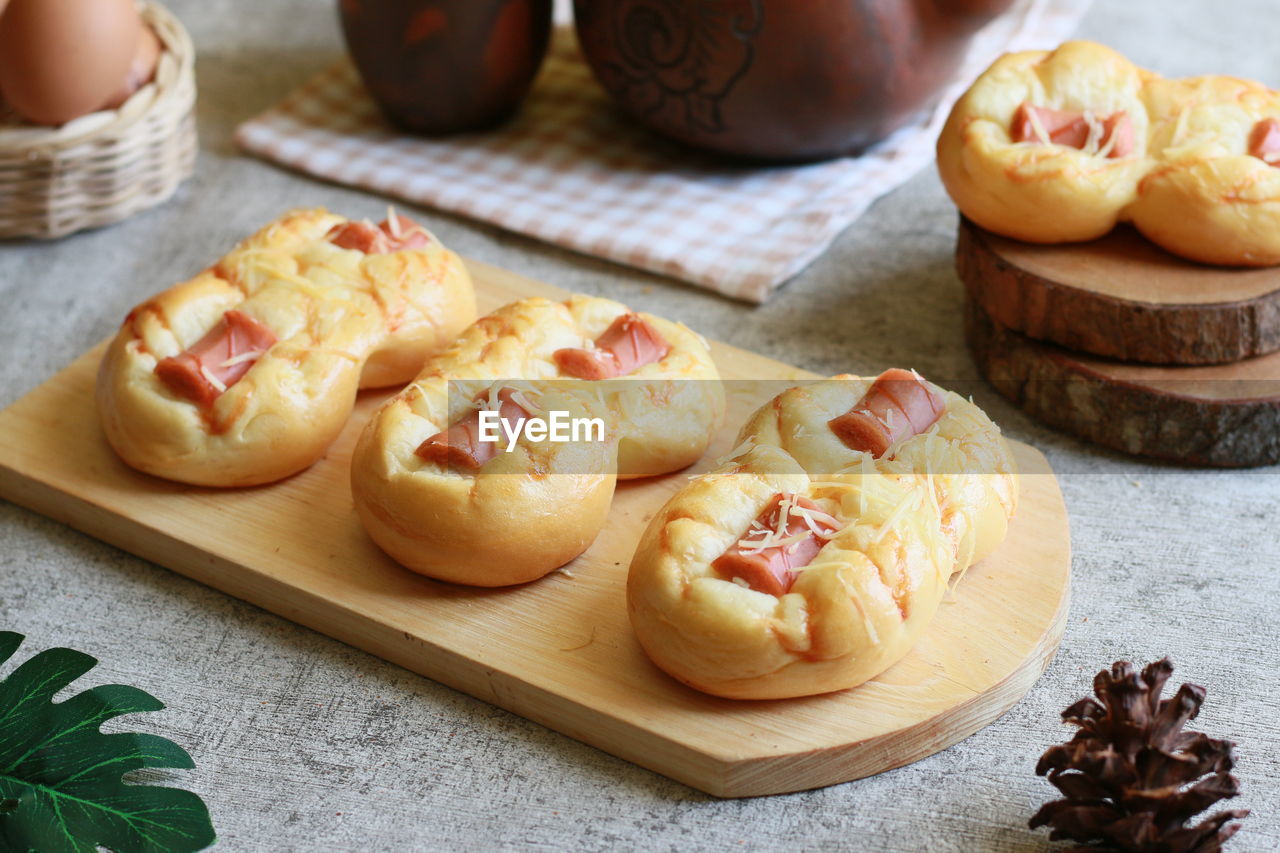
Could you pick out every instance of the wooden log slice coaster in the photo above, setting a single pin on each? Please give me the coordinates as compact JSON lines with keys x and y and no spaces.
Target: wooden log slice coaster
{"x":1217,"y":415}
{"x":1122,"y":297}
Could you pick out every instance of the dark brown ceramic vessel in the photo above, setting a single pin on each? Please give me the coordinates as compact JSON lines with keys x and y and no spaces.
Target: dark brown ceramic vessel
{"x":441,"y":66}
{"x":777,"y":79}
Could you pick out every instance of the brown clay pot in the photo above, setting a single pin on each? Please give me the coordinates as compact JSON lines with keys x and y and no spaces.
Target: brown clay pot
{"x":440,"y":66}
{"x":777,"y":79}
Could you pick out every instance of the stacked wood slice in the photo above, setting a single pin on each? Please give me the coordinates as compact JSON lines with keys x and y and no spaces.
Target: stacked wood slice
{"x":1125,"y":345}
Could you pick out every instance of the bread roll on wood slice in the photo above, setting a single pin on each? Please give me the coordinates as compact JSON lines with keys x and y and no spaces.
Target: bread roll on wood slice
{"x":1213,"y":194}
{"x":1048,"y":147}
{"x":1057,"y":147}
{"x":816,"y":555}
{"x":447,"y":504}
{"x":246,"y":373}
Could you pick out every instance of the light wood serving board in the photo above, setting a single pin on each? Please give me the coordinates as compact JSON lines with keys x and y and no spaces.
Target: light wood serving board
{"x":558,"y":651}
{"x":1224,"y":415}
{"x":1122,"y":297}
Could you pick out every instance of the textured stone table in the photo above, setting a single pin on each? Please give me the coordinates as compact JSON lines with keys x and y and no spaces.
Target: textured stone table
{"x":304,"y":743}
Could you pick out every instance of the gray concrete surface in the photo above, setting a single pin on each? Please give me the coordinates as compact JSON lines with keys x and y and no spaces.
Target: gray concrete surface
{"x":302,"y":743}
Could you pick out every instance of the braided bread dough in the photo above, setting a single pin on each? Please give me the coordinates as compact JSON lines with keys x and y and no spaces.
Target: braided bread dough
{"x":1207,"y":197}
{"x":527,"y":512}
{"x":1193,"y":174}
{"x":341,"y":320}
{"x":905,"y":523}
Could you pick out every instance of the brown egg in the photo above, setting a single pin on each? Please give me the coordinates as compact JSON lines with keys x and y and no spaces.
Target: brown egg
{"x":141,"y":70}
{"x":60,"y":59}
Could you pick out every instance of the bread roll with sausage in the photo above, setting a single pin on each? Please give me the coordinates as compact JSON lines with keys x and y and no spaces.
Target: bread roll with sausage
{"x":1056,"y":147}
{"x":447,"y":505}
{"x":1048,"y":147}
{"x":815,"y":557}
{"x":246,"y":373}
{"x":1213,"y":193}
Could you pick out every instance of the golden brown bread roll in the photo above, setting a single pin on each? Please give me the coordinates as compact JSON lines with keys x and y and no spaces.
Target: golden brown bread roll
{"x":1210,"y":195}
{"x":714,"y":595}
{"x":1053,"y":147}
{"x":1037,"y":192}
{"x":498,"y":518}
{"x":247,"y":372}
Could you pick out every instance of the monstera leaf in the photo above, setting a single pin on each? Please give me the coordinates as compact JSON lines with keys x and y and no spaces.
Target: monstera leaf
{"x":60,"y":785}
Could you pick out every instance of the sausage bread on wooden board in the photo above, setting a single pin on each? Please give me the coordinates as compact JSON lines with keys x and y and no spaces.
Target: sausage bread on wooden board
{"x":1054,"y":147}
{"x":244,"y":374}
{"x":817,"y":554}
{"x":444,"y":505}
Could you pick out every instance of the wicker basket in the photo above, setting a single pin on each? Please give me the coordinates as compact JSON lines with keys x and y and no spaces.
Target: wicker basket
{"x":106,"y":166}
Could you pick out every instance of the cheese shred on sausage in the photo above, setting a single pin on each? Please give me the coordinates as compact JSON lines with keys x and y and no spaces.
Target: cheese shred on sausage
{"x":760,"y":538}
{"x":521,"y":399}
{"x":213,"y":380}
{"x":252,"y":355}
{"x":1037,"y":128}
{"x":909,"y":503}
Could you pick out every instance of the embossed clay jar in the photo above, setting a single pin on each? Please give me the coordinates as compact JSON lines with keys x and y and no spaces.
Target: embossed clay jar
{"x":777,"y":79}
{"x":439,"y":66}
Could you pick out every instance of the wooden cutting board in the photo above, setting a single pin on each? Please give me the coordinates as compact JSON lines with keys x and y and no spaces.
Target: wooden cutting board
{"x":1121,"y":297}
{"x":1224,"y":415}
{"x":558,"y":651}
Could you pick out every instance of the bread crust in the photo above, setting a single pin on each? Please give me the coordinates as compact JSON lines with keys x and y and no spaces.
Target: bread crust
{"x":530,"y":511}
{"x":1205,"y":197}
{"x":1043,"y":193}
{"x":343,"y":320}
{"x":934,"y":505}
{"x":1189,"y":184}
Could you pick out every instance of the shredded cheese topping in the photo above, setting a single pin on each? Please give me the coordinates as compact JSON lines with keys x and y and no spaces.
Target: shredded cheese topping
{"x":1110,"y":144}
{"x":1094,"y":143}
{"x":1037,"y":128}
{"x":872,"y":634}
{"x":741,"y":450}
{"x":1094,"y":140}
{"x":1180,"y":128}
{"x":306,"y":285}
{"x":868,"y":469}
{"x":760,"y":538}
{"x":522,"y":400}
{"x":397,"y":232}
{"x":340,"y":353}
{"x":887,"y":420}
{"x":252,"y":355}
{"x":213,"y":380}
{"x":492,"y":401}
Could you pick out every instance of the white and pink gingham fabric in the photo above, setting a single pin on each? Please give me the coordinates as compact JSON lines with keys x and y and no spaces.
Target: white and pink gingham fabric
{"x":571,"y":170}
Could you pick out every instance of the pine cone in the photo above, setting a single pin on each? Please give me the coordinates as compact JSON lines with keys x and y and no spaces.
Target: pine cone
{"x":1132,"y":777}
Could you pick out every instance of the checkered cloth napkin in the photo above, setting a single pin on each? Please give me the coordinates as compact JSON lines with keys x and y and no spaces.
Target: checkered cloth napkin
{"x":571,"y":170}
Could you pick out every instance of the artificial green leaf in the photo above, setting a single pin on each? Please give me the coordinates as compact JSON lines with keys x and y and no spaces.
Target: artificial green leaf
{"x":60,"y":785}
